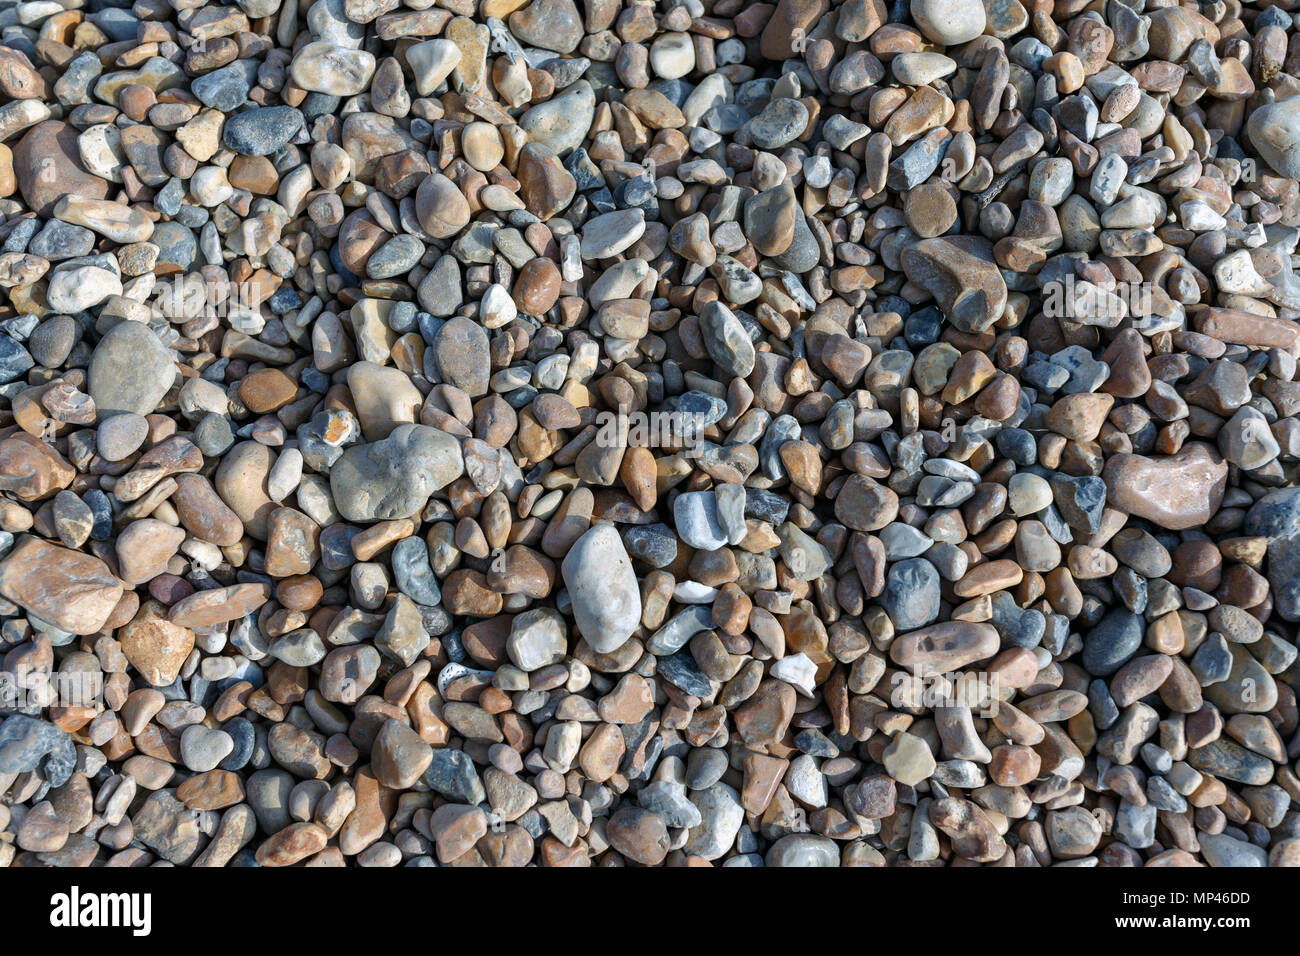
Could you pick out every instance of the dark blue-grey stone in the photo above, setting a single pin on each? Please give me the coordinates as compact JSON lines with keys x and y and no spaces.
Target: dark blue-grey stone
{"x":782,"y":429}
{"x":320,"y":104}
{"x":1101,"y":705}
{"x":247,"y":638}
{"x":565,"y":70}
{"x":213,"y":434}
{"x":284,"y":300}
{"x":1081,"y":501}
{"x":803,"y":251}
{"x":1018,"y":445}
{"x":922,"y":328}
{"x":336,"y":549}
{"x":225,"y":89}
{"x":435,"y":620}
{"x":1212,"y":661}
{"x":1131,"y":588}
{"x":816,"y":744}
{"x":1060,"y":532}
{"x":315,"y":380}
{"x":171,"y":198}
{"x":24,"y":741}
{"x":1045,"y":376}
{"x":519,"y":398}
{"x":401,"y":317}
{"x":176,"y":244}
{"x":707,"y":409}
{"x":1276,"y":516}
{"x":1229,"y":760}
{"x":1273,"y":17}
{"x":779,"y":123}
{"x":117,"y":23}
{"x":684,"y":625}
{"x":192,"y":217}
{"x":1162,"y":796}
{"x":534,"y":823}
{"x":101,"y":509}
{"x":58,"y":638}
{"x":268,"y":794}
{"x":1018,"y":627}
{"x":1055,"y":633}
{"x":766,"y":505}
{"x":894,"y":303}
{"x":261,"y":131}
{"x":637,"y":192}
{"x":242,"y":733}
{"x":911,"y":596}
{"x":20,"y":236}
{"x":454,"y":646}
{"x":675,"y":90}
{"x":1086,"y":374}
{"x":202,"y":691}
{"x":601,"y":200}
{"x":62,"y":240}
{"x":61,"y":762}
{"x":15,"y":360}
{"x":655,"y":544}
{"x":395,"y":257}
{"x":452,"y":774}
{"x":909,"y":454}
{"x":175,"y":690}
{"x":584,"y":172}
{"x":684,"y":673}
{"x":1111,"y":642}
{"x":917,"y":164}
{"x":705,"y":767}
{"x":412,"y":572}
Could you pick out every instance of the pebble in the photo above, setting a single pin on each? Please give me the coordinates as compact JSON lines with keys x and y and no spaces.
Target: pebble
{"x":602,"y":588}
{"x":394,"y":477}
{"x":261,"y":131}
{"x":1175,"y":492}
{"x":325,"y":67}
{"x":949,"y":23}
{"x":695,"y":515}
{"x":130,"y":370}
{"x":721,"y":816}
{"x":1272,"y":131}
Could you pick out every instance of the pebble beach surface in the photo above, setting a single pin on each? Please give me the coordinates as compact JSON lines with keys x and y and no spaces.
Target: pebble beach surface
{"x":336,"y":338}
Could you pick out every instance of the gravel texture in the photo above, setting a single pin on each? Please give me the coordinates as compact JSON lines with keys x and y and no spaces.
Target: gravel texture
{"x":606,"y":432}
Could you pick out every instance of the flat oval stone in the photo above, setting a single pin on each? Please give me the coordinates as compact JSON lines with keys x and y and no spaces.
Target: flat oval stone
{"x":603,"y":589}
{"x":1111,"y":642}
{"x":947,"y":646}
{"x":442,"y":208}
